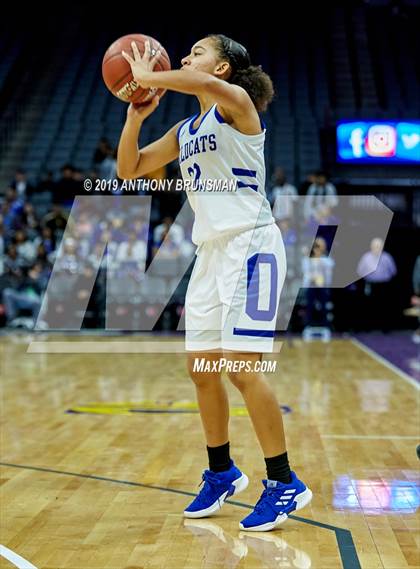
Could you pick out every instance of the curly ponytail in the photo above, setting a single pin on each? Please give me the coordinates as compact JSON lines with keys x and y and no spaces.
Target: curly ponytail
{"x":252,"y":78}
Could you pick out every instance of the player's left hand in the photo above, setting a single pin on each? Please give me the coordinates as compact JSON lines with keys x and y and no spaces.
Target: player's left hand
{"x":141,"y":66}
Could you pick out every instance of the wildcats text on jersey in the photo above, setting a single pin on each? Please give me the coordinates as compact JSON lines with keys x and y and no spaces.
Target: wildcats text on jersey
{"x":204,"y":143}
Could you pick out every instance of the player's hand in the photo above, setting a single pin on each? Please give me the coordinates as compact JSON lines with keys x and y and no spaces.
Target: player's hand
{"x":140,"y":112}
{"x":141,"y":66}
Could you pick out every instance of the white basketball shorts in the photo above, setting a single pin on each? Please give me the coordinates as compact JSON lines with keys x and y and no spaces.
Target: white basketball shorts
{"x":233,"y":294}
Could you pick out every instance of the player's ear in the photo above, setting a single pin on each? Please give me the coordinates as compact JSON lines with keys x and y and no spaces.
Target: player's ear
{"x":222,"y":69}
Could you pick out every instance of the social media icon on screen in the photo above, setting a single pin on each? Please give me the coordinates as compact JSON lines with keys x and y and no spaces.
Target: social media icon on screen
{"x":381,"y":140}
{"x":410,"y":141}
{"x":356,"y":142}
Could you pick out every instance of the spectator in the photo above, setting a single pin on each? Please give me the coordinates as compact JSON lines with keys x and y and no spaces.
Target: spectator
{"x":97,"y":258}
{"x":30,"y":220}
{"x":26,"y":249}
{"x":106,"y":238}
{"x":117,"y":227}
{"x":141,"y":229}
{"x":168,"y":224}
{"x":12,"y":264}
{"x":282,"y":196}
{"x":132,"y":250}
{"x":107,"y":169}
{"x":46,"y":240}
{"x":320,"y":194}
{"x":12,"y":210}
{"x":67,"y":187}
{"x":98,"y":229}
{"x":378,"y":269}
{"x":288,"y":233}
{"x":172,"y":248}
{"x":307,"y":182}
{"x":68,"y":259}
{"x":42,"y":254}
{"x":317,"y":277}
{"x":101,"y":152}
{"x":83,"y":230}
{"x":20,"y":183}
{"x":415,"y":301}
{"x":47,"y":183}
{"x":27,"y":295}
{"x":56,"y":221}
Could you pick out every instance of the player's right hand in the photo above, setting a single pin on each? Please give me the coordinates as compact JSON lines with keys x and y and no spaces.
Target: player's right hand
{"x":140,"y":112}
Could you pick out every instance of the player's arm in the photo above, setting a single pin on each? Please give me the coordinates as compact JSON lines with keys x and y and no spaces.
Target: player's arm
{"x":133,"y":162}
{"x":233,"y":101}
{"x":232,"y":98}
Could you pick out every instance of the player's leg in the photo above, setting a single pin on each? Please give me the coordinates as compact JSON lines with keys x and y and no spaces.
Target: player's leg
{"x":249,"y":321}
{"x":211,"y":396}
{"x":262,"y":405}
{"x":202,"y":342}
{"x":203,"y":322}
{"x":284,"y":492}
{"x":223,"y":478}
{"x":254,"y":268}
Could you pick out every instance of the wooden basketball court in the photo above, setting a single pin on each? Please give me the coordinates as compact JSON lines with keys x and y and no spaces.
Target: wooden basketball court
{"x":101,"y":452}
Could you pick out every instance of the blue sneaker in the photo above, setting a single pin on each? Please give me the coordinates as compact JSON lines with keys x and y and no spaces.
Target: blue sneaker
{"x":218,"y":486}
{"x":276,"y":503}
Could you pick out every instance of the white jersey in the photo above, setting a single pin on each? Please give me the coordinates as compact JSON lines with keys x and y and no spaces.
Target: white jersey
{"x":216,"y":151}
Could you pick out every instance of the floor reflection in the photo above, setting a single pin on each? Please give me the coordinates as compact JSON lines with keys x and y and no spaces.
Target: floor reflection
{"x":376,"y":496}
{"x":219,"y":548}
{"x":224,"y":550}
{"x":274,"y":551}
{"x":375,"y":395}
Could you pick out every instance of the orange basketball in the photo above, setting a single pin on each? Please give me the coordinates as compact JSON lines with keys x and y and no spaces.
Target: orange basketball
{"x":116,"y":71}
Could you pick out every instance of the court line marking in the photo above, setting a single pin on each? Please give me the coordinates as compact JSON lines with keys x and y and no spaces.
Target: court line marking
{"x":386,"y":363}
{"x":15,"y":559}
{"x":113,"y":347}
{"x":345,"y":543}
{"x":373,"y":437}
{"x":105,"y":347}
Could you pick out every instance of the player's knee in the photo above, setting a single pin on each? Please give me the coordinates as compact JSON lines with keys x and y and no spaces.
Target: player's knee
{"x":200,"y":373}
{"x":240,"y":379}
{"x":202,"y":380}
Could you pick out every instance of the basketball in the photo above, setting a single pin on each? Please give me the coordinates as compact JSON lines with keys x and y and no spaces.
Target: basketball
{"x":116,"y":71}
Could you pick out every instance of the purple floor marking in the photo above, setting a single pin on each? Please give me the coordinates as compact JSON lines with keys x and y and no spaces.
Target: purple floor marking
{"x":397,"y":347}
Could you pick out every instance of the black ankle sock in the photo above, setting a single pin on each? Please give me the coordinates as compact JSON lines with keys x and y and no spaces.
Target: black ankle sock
{"x":278,"y":468}
{"x":219,"y":458}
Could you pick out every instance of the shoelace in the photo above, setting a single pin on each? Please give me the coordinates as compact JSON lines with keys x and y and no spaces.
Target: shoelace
{"x":267,"y":493}
{"x":212,"y":482}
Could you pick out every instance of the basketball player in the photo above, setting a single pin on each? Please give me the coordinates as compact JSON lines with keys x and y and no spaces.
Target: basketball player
{"x":232,"y":297}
